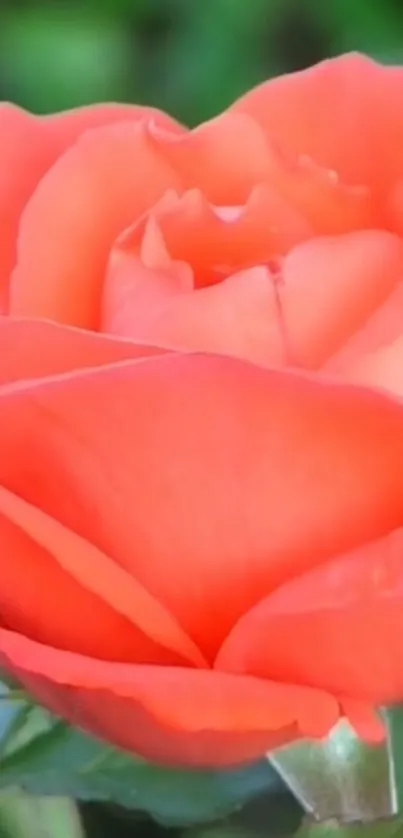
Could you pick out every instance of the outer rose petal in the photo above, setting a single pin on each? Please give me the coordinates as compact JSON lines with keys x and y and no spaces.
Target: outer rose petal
{"x":253,"y":475}
{"x":346,"y":113}
{"x":337,"y":628}
{"x":67,"y":126}
{"x":40,"y":599}
{"x":29,"y":146}
{"x":145,"y":619}
{"x":171,"y":715}
{"x":95,"y":190}
{"x":37,"y":348}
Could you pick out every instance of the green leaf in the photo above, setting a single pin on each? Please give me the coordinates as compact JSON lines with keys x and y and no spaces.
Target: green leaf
{"x":269,"y":816}
{"x":63,"y":761}
{"x":22,"y":816}
{"x":394,"y":721}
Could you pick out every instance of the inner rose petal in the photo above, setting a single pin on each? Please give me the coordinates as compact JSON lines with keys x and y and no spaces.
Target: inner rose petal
{"x":215,"y":240}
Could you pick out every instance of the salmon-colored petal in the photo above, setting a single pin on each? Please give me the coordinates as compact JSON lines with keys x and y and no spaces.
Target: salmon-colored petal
{"x":239,"y":317}
{"x":108,"y":178}
{"x":66,"y":126}
{"x":186,"y":242}
{"x":382,"y":328}
{"x":100,"y":575}
{"x":383,"y":368}
{"x":225,"y":157}
{"x":230,"y":155}
{"x":216,"y":241}
{"x":345,"y":113}
{"x":23,"y":159}
{"x":337,"y":628}
{"x":36,"y":348}
{"x":140,"y":281}
{"x":29,"y":146}
{"x":211,"y":480}
{"x":329,"y":205}
{"x":331,"y":286}
{"x":169,"y":714}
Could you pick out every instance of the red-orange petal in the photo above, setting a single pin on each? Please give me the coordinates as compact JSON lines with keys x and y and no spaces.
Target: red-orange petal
{"x":96,"y":573}
{"x":38,"y":597}
{"x":337,"y":628}
{"x":170,"y":715}
{"x":107,"y":179}
{"x":253,"y":475}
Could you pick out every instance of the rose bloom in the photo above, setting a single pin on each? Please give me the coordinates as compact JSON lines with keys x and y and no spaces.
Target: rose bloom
{"x":201,"y":424}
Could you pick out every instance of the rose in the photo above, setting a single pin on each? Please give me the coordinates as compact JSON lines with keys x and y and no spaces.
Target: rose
{"x":202,"y":506}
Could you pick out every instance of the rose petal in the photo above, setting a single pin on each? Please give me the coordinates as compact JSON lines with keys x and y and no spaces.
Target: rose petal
{"x":345,"y":113}
{"x":40,"y":599}
{"x":331,"y":286}
{"x":381,"y":329}
{"x":225,"y":157}
{"x":97,"y":574}
{"x":253,"y":475}
{"x":66,"y":126}
{"x":37,"y":348}
{"x":230,"y":155}
{"x":383,"y":368}
{"x":338,"y":628}
{"x":238,"y":317}
{"x":97,"y":188}
{"x":171,"y":715}
{"x":29,"y":146}
{"x":201,"y":234}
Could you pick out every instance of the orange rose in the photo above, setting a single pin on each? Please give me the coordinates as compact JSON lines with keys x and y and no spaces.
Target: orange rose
{"x":202,"y":548}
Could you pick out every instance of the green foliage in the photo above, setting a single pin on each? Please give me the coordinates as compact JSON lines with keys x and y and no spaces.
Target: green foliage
{"x":42,"y":756}
{"x":22,"y":816}
{"x":190,"y":57}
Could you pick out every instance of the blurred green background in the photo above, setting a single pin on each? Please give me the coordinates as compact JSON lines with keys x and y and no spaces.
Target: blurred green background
{"x":190,"y":57}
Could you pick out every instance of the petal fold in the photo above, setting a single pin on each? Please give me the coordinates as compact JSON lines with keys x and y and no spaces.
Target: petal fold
{"x":337,"y":628}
